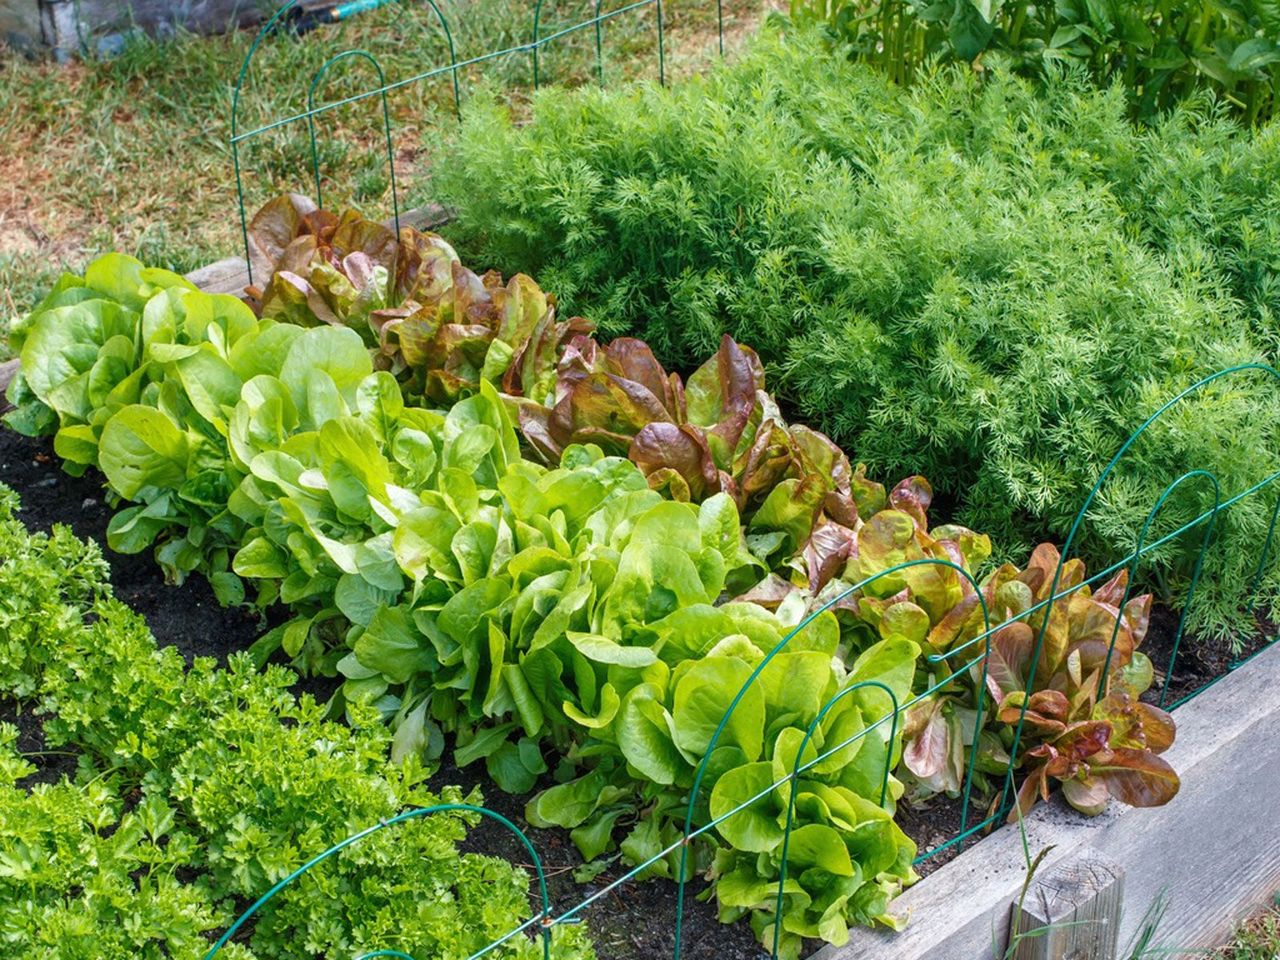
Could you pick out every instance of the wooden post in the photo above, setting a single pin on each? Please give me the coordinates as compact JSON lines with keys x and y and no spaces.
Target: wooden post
{"x":1071,"y":911}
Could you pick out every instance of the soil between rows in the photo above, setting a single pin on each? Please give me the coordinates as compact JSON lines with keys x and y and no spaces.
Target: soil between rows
{"x":1199,"y":661}
{"x":187,"y":617}
{"x":635,"y":921}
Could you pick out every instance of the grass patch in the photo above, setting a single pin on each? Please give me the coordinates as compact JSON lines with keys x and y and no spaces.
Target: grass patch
{"x":132,"y":153}
{"x":1259,"y":939}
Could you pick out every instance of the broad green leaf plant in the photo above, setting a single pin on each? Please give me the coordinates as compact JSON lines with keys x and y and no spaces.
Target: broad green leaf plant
{"x":590,"y":618}
{"x":1159,"y":51}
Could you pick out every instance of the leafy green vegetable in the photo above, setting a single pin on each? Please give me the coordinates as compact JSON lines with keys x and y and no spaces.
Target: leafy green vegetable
{"x":139,"y":373}
{"x":664,"y":729}
{"x":196,"y":789}
{"x":717,"y":432}
{"x":430,"y":321}
{"x":1083,"y":723}
{"x":1161,"y":52}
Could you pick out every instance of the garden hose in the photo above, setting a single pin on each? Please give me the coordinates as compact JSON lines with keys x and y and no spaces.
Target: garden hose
{"x":300,"y":20}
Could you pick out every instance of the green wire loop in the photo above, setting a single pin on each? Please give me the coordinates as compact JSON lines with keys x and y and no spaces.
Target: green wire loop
{"x":453,"y":68}
{"x":383,"y":89}
{"x":386,"y":126}
{"x":1262,"y":560}
{"x":541,"y":919}
{"x":795,"y":786}
{"x":599,"y":44}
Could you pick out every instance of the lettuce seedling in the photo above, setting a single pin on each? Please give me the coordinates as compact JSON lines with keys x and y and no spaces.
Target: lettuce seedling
{"x":1081,"y":718}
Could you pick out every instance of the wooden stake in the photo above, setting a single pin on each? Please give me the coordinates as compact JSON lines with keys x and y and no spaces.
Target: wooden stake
{"x":1071,"y":911}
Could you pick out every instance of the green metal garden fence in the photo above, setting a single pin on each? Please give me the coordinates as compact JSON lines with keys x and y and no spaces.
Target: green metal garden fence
{"x":532,"y":48}
{"x":966,"y":663}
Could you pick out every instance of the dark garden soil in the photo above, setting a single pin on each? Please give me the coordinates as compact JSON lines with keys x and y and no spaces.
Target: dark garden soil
{"x":933,"y":823}
{"x":187,"y":617}
{"x":1200,"y":660}
{"x":51,"y":764}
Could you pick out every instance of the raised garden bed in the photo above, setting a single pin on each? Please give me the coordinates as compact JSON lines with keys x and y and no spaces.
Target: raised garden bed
{"x":635,"y":920}
{"x":1210,"y":853}
{"x":1228,"y":752}
{"x":504,"y":554}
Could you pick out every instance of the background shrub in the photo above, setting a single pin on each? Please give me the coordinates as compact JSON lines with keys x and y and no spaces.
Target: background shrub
{"x":1158,"y":50}
{"x":984,"y":281}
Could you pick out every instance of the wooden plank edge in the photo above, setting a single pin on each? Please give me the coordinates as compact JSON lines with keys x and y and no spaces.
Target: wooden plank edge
{"x":1224,"y":821}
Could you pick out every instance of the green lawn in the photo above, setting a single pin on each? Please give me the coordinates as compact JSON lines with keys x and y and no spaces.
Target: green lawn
{"x":131,"y":153}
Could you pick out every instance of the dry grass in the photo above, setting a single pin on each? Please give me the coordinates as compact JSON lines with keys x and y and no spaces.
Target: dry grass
{"x":132,"y":153}
{"x":1259,"y":939}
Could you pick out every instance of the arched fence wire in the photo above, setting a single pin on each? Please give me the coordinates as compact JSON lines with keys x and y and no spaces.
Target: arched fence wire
{"x":967,"y":661}
{"x":539,"y":40}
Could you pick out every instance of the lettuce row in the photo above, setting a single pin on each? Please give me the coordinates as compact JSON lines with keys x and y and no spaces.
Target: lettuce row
{"x":441,"y":330}
{"x":437,"y":326}
{"x":601,"y":605}
{"x":455,"y":585}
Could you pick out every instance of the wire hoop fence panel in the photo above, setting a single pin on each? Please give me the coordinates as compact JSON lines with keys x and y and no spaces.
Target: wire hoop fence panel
{"x":539,"y":40}
{"x":386,"y":126}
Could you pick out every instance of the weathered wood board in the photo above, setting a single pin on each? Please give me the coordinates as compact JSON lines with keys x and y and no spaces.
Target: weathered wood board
{"x":1213,"y":853}
{"x":8,"y":370}
{"x":229,"y":275}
